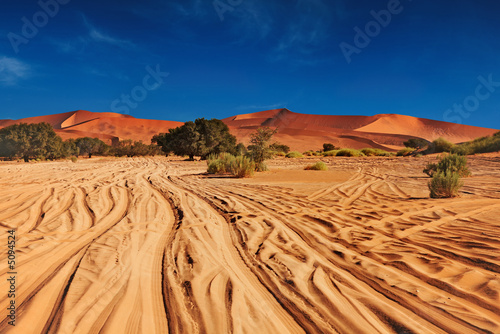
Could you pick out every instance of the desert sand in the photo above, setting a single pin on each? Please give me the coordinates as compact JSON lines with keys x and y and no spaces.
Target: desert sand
{"x":152,"y":245}
{"x":299,"y":131}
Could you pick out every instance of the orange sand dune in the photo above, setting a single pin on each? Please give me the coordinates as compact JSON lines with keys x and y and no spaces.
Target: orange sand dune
{"x":299,"y":131}
{"x":106,"y":126}
{"x":303,"y":131}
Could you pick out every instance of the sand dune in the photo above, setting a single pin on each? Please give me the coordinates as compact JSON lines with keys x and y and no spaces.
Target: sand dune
{"x":154,"y":246}
{"x":299,"y":131}
{"x":386,"y":131}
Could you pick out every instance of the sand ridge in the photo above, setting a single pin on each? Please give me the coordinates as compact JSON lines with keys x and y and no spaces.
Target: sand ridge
{"x":148,"y":245}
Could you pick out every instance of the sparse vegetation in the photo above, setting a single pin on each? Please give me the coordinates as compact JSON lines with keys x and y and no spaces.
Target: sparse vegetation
{"x":331,"y":153}
{"x":479,"y":145}
{"x":294,"y":154}
{"x":320,"y":165}
{"x":375,"y":152}
{"x":224,"y":163}
{"x":405,"y":152}
{"x":439,"y":145}
{"x":446,"y":176}
{"x":260,"y":148}
{"x":416,"y":143}
{"x":445,"y":185}
{"x":277,"y":148}
{"x":242,"y":166}
{"x":450,"y":163}
{"x":74,"y":159}
{"x":349,"y":152}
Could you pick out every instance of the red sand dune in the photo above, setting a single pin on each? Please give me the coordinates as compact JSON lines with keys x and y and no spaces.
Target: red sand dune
{"x":299,"y":131}
{"x":387,"y":131}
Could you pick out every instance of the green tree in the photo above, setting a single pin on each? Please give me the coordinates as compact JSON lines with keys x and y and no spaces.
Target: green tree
{"x":199,"y":138}
{"x":329,"y":147}
{"x":37,"y":140}
{"x":90,"y":146}
{"x":260,"y":148}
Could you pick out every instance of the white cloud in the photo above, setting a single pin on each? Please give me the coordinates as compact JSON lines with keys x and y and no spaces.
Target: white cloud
{"x":100,"y":37}
{"x":12,"y":70}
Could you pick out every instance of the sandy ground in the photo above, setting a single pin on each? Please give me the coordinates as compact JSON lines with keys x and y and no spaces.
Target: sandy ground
{"x":155,"y":246}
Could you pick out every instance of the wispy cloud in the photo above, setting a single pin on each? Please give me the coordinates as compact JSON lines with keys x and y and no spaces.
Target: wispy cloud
{"x":100,"y":37}
{"x":12,"y":71}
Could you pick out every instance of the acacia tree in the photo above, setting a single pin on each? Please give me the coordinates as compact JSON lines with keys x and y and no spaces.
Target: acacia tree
{"x":90,"y":146}
{"x":199,"y":138}
{"x":260,"y":148}
{"x":37,"y":140}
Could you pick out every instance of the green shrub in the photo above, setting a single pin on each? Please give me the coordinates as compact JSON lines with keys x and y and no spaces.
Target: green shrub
{"x":455,"y":164}
{"x":331,"y":153}
{"x":294,"y":154}
{"x":349,"y":152}
{"x":478,"y":145}
{"x":261,"y":167}
{"x":242,"y":167}
{"x":329,"y":147}
{"x":405,"y":152}
{"x":219,"y":163}
{"x":279,"y":154}
{"x":74,"y":159}
{"x":416,"y":143}
{"x":369,"y":152}
{"x":320,"y":165}
{"x":440,"y":145}
{"x":445,"y":185}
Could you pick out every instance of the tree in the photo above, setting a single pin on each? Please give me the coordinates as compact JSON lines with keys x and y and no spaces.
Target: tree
{"x":199,"y":138}
{"x":38,"y":140}
{"x":90,"y":146}
{"x":260,"y":148}
{"x":329,"y":147}
{"x":416,"y":143}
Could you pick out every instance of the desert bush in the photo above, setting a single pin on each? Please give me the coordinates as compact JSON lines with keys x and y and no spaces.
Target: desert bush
{"x":453,"y":163}
{"x":74,"y":159}
{"x":242,"y":167}
{"x":277,"y":147}
{"x":405,"y":152}
{"x":440,"y":145}
{"x":294,"y":154}
{"x":478,"y":145}
{"x":375,"y":152}
{"x":329,"y":147}
{"x":430,"y":169}
{"x":349,"y":152}
{"x":261,"y":167}
{"x":219,"y":163}
{"x":320,"y":165}
{"x":331,"y":153}
{"x":445,"y":184}
{"x":280,"y":154}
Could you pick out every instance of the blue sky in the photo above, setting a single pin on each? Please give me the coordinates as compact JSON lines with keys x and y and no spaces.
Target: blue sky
{"x":180,"y":60}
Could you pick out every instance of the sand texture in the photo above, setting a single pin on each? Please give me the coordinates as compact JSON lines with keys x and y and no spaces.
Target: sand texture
{"x":151,"y":245}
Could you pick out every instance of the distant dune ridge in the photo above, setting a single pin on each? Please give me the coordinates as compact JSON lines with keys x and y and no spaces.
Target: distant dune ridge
{"x":299,"y":131}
